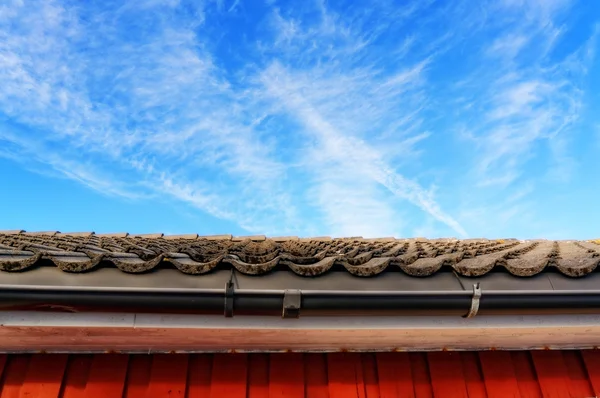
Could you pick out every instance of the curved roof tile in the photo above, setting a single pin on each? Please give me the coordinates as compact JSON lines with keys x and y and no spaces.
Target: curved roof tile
{"x":307,"y":257}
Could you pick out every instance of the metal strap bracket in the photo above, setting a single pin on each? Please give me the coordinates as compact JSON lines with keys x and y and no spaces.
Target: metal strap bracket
{"x":292,"y":300}
{"x":229,"y":290}
{"x":474,"y":301}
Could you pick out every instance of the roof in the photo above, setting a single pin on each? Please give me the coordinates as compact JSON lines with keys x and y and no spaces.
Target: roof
{"x":284,"y":276}
{"x":308,"y":257}
{"x":340,"y":375}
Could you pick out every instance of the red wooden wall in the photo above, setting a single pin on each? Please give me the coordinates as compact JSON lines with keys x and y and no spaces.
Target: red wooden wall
{"x":342,"y":375}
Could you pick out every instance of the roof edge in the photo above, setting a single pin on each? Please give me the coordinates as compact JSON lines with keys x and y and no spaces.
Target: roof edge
{"x":157,"y":333}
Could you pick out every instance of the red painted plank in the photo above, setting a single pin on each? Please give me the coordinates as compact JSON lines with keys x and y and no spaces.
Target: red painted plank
{"x":579,"y":383}
{"x":138,"y":376}
{"x":107,"y":376}
{"x":551,"y":373}
{"x":369,"y":371}
{"x":395,"y":375}
{"x":315,"y":370}
{"x":473,"y":376}
{"x":229,"y":376}
{"x":168,"y":376}
{"x":525,"y":374}
{"x":386,"y":374}
{"x":286,"y":376}
{"x":591,"y":359}
{"x":404,"y":378}
{"x":420,"y":372}
{"x":355,"y":358}
{"x":258,"y":376}
{"x":341,"y":372}
{"x":3,"y":359}
{"x":76,"y":375}
{"x":499,"y":374}
{"x":44,"y":376}
{"x":14,"y":375}
{"x":447,"y":377}
{"x":346,"y":375}
{"x":199,"y":375}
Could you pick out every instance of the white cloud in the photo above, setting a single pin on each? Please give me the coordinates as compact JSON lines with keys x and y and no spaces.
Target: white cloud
{"x":327,"y":122}
{"x":345,"y":153}
{"x":152,"y":109}
{"x":525,"y":97}
{"x":508,"y":46}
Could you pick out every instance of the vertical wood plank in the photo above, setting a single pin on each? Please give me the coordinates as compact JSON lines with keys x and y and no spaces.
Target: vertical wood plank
{"x":369,"y":370}
{"x":258,"y":375}
{"x":525,"y":374}
{"x":3,"y":359}
{"x":387,"y":375}
{"x":404,"y":378}
{"x":138,"y":376}
{"x":199,"y":375}
{"x":76,"y":375}
{"x":107,"y":376}
{"x":473,"y":376}
{"x":286,"y":375}
{"x":355,"y":358}
{"x":395,"y":375}
{"x":420,"y":372}
{"x":341,"y":376}
{"x":499,"y":374}
{"x":14,"y":375}
{"x":579,"y":383}
{"x":591,"y":359}
{"x":168,"y":376}
{"x":44,"y":376}
{"x":447,"y":377}
{"x":229,"y":376}
{"x":551,"y":373}
{"x":315,"y":369}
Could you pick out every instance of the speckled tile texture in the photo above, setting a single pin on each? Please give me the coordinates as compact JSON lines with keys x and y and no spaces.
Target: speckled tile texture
{"x":310,"y":257}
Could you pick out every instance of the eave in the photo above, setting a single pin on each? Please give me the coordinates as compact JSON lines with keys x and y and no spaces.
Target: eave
{"x":27,"y":331}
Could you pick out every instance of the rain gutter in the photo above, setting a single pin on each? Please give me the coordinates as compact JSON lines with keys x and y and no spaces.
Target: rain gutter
{"x":309,"y":302}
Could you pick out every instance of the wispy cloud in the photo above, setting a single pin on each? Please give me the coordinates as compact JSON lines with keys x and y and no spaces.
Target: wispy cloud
{"x":304,"y":119}
{"x":528,"y":96}
{"x":526,"y":101}
{"x":351,"y":135}
{"x":149,"y":107}
{"x":344,"y":153}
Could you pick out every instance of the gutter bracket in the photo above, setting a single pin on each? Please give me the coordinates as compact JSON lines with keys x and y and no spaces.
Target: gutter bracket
{"x":474,"y":302}
{"x":292,"y":300}
{"x":229,"y":291}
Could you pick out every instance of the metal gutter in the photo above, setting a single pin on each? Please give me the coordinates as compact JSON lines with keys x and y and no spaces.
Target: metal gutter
{"x":271,"y":302}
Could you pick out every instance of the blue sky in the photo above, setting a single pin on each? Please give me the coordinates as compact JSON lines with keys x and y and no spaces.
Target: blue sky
{"x":342,"y":118}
